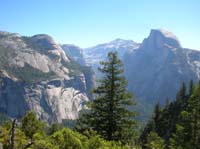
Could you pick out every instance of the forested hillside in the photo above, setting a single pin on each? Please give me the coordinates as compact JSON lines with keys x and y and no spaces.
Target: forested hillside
{"x":177,"y":124}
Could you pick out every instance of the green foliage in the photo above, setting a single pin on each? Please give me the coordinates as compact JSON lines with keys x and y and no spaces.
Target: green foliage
{"x":154,"y":141}
{"x":109,"y":115}
{"x":20,"y":138}
{"x":148,"y":128}
{"x":67,"y":138}
{"x":41,"y":141}
{"x":31,"y":125}
{"x":188,"y":128}
{"x":43,"y":144}
{"x":96,"y":142}
{"x":29,"y":134}
{"x":4,"y":136}
{"x":53,"y":128}
{"x":178,"y":123}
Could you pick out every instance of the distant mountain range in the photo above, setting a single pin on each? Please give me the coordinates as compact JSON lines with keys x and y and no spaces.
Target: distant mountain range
{"x":155,"y":70}
{"x":94,"y":55}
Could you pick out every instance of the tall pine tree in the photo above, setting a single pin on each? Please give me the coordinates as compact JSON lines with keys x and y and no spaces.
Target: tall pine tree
{"x":110,"y":114}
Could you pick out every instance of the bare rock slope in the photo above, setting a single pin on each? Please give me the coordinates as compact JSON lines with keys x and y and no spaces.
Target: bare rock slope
{"x":36,"y":74}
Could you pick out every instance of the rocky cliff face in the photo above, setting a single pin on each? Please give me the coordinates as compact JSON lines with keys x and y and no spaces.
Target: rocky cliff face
{"x":158,"y":67}
{"x":75,"y":52}
{"x":155,"y":69}
{"x":37,"y":75}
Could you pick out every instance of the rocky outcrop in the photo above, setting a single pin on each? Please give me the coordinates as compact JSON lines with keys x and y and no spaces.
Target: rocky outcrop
{"x":74,"y":52}
{"x":160,"y":38}
{"x":157,"y":69}
{"x":37,"y":75}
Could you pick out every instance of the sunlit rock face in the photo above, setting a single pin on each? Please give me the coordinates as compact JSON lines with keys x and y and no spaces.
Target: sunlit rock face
{"x":36,"y":74}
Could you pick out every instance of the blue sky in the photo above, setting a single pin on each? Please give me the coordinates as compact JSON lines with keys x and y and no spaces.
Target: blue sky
{"x":90,"y":22}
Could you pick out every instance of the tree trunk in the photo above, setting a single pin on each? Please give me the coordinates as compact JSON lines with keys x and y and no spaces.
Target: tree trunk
{"x":12,"y":136}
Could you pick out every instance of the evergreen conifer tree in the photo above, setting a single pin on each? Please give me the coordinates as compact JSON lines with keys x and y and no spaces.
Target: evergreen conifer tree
{"x":110,"y":114}
{"x":188,"y":128}
{"x":191,"y":87}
